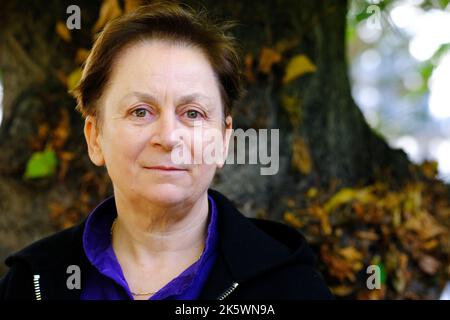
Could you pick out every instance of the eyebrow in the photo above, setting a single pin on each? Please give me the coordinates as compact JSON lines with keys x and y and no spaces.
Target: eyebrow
{"x":196,"y":96}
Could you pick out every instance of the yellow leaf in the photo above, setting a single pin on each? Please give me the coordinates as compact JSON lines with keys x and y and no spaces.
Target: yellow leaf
{"x":351,"y":254}
{"x":299,"y":65}
{"x":312,"y":192}
{"x":73,"y":79}
{"x":267,"y":58}
{"x":429,"y":245}
{"x":323,"y":218}
{"x":429,"y":169}
{"x":341,"y":290}
{"x":347,"y":195}
{"x":109,"y":10}
{"x":292,"y":107}
{"x":301,"y":158}
{"x":62,"y":31}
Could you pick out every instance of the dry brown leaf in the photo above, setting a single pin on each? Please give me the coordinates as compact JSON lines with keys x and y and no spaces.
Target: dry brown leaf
{"x":81,"y":55}
{"x":130,"y":5}
{"x":292,"y":219}
{"x":323,"y":218}
{"x":284,"y":44}
{"x":301,"y":159}
{"x":56,"y":210}
{"x":267,"y":58}
{"x":350,"y":253}
{"x":109,"y":10}
{"x":248,"y":62}
{"x":62,"y":31}
{"x":367,"y":235}
{"x":61,"y":132}
{"x":347,"y":195}
{"x":337,"y":267}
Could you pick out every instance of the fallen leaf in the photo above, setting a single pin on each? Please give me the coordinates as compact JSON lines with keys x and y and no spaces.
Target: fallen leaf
{"x":73,"y":79}
{"x":267,"y":58}
{"x":350,"y":253}
{"x":248,"y":62}
{"x":62,"y":31}
{"x":429,"y":169}
{"x":109,"y":10}
{"x":293,"y":220}
{"x":301,"y":159}
{"x":292,"y":106}
{"x":341,"y":290}
{"x":41,"y":164}
{"x":130,"y":5}
{"x":81,"y":55}
{"x":367,"y":235}
{"x":61,"y":132}
{"x":347,"y":195}
{"x":312,"y":192}
{"x":299,"y":65}
{"x":284,"y":44}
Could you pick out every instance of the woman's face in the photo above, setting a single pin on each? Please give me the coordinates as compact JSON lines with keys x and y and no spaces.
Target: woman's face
{"x":161,"y":100}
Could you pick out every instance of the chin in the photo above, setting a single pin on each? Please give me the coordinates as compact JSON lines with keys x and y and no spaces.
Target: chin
{"x":167,"y":194}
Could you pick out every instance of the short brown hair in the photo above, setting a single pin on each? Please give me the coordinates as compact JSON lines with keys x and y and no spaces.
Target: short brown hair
{"x":169,"y":21}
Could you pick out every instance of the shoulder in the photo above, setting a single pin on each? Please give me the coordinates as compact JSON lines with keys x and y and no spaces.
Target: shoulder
{"x":17,"y":283}
{"x":40,"y":257}
{"x":55,"y":245}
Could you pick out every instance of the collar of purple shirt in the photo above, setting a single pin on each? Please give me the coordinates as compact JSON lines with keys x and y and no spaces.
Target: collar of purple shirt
{"x":106,"y":280}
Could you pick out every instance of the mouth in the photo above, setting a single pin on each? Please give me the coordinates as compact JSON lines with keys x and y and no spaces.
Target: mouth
{"x":166,"y":168}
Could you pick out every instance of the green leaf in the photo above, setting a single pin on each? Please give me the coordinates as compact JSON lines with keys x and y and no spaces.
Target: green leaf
{"x":41,"y":164}
{"x":383,"y":273}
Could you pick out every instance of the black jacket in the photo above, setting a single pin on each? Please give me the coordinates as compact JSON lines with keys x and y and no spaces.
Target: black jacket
{"x":257,"y":259}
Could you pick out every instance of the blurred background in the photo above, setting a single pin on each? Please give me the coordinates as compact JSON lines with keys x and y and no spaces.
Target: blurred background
{"x":400,"y":71}
{"x":357,"y":88}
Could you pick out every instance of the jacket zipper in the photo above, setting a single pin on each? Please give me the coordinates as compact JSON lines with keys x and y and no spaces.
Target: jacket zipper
{"x":227,"y":292}
{"x":37,"y":288}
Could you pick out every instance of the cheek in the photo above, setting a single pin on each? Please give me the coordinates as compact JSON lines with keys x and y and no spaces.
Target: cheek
{"x":205,"y":138}
{"x":122,"y":147}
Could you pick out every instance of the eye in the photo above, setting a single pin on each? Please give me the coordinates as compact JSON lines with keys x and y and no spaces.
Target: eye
{"x":193,"y":114}
{"x":140,"y":112}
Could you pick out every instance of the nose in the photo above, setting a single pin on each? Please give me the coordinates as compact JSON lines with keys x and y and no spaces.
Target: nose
{"x":165,"y":135}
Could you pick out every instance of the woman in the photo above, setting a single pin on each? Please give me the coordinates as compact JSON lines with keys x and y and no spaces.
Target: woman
{"x":152,"y":80}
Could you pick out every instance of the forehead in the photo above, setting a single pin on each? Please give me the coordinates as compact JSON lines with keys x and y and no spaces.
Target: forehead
{"x":159,"y":65}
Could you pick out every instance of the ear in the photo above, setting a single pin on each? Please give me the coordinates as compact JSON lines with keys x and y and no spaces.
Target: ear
{"x":91,"y":135}
{"x":226,"y":140}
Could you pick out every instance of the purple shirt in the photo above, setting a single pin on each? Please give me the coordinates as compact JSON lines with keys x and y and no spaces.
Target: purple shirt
{"x":106,"y":280}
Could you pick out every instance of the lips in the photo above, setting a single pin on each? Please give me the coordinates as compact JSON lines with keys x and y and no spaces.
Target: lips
{"x":166,"y":168}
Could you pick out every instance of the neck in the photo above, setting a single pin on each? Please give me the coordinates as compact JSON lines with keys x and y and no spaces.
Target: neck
{"x":146,"y":232}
